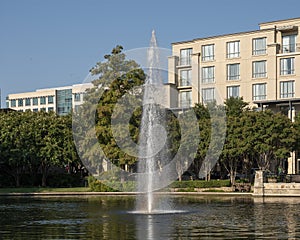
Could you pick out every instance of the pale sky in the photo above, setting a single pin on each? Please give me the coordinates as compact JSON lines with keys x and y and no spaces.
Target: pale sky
{"x":51,"y":43}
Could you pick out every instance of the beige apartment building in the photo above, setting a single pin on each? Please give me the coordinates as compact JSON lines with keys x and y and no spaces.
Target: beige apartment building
{"x":262,"y":66}
{"x":61,"y":100}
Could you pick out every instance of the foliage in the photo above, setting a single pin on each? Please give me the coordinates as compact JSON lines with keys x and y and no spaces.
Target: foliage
{"x":200,"y":184}
{"x":99,"y":186}
{"x":32,"y":143}
{"x":116,"y":77}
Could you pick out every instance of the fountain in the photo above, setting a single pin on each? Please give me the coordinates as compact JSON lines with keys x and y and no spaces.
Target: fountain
{"x":152,"y":139}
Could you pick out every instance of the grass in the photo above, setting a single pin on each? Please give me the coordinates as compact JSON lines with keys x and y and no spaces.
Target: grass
{"x":43,"y":190}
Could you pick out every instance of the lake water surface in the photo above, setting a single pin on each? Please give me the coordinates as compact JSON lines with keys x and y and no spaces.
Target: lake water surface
{"x":110,"y":217}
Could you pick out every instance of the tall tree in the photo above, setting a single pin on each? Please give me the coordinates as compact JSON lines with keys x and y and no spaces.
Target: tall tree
{"x":273,"y":139}
{"x":116,"y":77}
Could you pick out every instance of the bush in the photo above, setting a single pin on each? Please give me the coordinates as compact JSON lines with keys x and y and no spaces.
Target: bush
{"x":201,"y":184}
{"x":99,"y":186}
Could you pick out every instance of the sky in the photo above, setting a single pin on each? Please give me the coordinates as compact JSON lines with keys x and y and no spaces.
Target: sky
{"x":52,"y":43}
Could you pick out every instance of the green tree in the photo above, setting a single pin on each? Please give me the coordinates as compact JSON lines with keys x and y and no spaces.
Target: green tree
{"x":235,"y":147}
{"x":116,"y":77}
{"x":13,"y":149}
{"x":273,"y":139}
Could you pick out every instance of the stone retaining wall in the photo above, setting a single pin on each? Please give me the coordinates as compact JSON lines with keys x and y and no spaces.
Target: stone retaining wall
{"x":274,"y":189}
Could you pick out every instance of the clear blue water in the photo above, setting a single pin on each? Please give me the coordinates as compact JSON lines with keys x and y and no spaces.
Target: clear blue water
{"x":106,"y":217}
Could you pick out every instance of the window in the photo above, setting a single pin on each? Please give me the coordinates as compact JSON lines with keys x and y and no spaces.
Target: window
{"x":35,"y":110}
{"x":185,"y":99}
{"x":233,"y":71}
{"x":233,"y":49}
{"x":20,"y":103}
{"x":64,"y":101}
{"x":259,"y":69}
{"x":208,"y":94}
{"x":35,"y":101}
{"x":288,"y":43}
{"x":27,"y":101}
{"x":208,"y":74}
{"x":287,"y":66}
{"x":50,"y":99}
{"x":259,"y":91}
{"x":208,"y":52}
{"x":287,"y":89}
{"x":77,"y":97}
{"x":233,"y":91}
{"x":42,"y":100}
{"x":185,"y":56}
{"x":13,"y":103}
{"x":76,"y":109}
{"x":43,"y":109}
{"x":50,"y":109}
{"x":185,"y":77}
{"x":259,"y":46}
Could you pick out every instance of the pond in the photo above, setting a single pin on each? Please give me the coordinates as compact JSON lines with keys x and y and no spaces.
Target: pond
{"x":111,"y":217}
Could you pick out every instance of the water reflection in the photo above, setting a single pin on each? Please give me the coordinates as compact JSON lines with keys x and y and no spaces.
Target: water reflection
{"x":109,"y":218}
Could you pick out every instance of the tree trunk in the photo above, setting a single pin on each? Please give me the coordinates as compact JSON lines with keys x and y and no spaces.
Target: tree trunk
{"x":179,"y":178}
{"x":17,"y":180}
{"x":232,"y":177}
{"x":44,"y":180}
{"x":44,"y":174}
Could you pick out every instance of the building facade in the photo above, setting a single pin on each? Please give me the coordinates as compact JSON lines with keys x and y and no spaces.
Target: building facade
{"x":61,"y":100}
{"x":262,"y":66}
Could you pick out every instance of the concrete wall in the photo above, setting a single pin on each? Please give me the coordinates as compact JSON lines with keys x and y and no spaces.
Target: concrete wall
{"x":263,"y":189}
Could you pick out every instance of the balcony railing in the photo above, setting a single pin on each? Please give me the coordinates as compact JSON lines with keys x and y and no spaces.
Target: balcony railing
{"x":185,"y":61}
{"x":288,"y":48}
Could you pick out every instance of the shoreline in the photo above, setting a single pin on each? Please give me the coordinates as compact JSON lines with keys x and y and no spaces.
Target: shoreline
{"x":36,"y":194}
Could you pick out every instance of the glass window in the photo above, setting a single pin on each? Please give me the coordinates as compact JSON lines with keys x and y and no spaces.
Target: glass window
{"x":208,"y":74}
{"x":27,"y":101}
{"x":185,"y":99}
{"x":233,"y":91}
{"x":64,"y":101}
{"x":233,"y":49}
{"x":233,"y":71}
{"x":76,"y":109}
{"x":20,"y":103}
{"x":43,"y":109}
{"x":13,"y":103}
{"x":287,"y":66}
{"x":35,"y":101}
{"x":259,"y":69}
{"x":287,"y":89}
{"x":208,"y":94}
{"x":50,"y":109}
{"x":208,"y":52}
{"x":42,"y":100}
{"x":259,"y":91}
{"x":50,"y":99}
{"x":185,"y":56}
{"x":77,"y":97}
{"x":289,"y":43}
{"x":185,"y":77}
{"x":259,"y":46}
{"x":35,"y":110}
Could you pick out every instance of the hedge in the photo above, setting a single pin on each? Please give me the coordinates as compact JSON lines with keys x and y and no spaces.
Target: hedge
{"x":200,"y":184}
{"x":129,"y":186}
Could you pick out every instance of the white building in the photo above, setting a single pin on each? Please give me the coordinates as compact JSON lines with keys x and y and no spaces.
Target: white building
{"x":61,"y":99}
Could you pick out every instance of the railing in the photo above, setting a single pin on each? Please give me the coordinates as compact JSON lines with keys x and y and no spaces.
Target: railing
{"x":288,"y":48}
{"x":282,"y":178}
{"x":185,"y":61}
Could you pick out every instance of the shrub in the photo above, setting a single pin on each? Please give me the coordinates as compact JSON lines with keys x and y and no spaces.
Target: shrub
{"x":200,"y":184}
